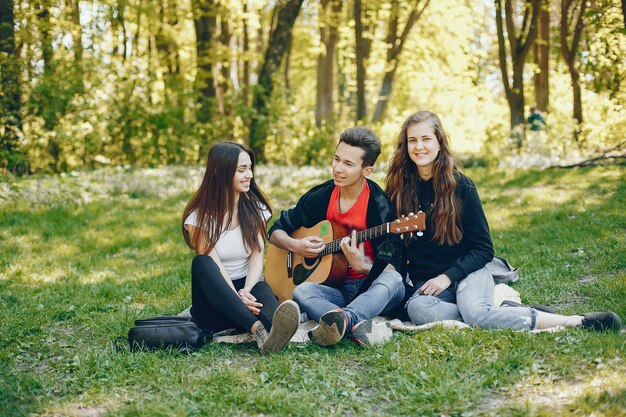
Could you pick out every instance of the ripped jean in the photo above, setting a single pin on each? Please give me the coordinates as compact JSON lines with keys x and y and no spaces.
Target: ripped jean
{"x":385,"y":293}
{"x":471,"y":301}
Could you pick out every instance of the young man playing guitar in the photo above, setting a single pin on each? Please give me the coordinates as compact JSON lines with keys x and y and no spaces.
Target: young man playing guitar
{"x":350,"y":201}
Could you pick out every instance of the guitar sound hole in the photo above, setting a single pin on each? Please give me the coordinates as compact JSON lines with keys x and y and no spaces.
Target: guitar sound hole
{"x":299,"y":275}
{"x":310,"y":261}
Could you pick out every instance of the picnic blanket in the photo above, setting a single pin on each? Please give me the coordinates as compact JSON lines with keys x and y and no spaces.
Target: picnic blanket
{"x":501,"y":292}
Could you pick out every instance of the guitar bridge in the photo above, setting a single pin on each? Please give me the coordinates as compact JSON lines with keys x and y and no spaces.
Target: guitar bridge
{"x":289,"y":264}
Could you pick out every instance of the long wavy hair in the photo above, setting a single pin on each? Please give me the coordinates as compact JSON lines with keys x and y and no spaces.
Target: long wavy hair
{"x":215,"y":199}
{"x":402,"y":182}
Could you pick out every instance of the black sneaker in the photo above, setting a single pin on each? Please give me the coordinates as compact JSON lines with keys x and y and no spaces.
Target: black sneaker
{"x":602,"y":321}
{"x":368,"y":333}
{"x":331,"y":328}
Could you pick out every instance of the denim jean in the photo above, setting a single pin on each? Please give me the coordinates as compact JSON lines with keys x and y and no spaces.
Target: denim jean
{"x":471,"y":301}
{"x":386,"y":292}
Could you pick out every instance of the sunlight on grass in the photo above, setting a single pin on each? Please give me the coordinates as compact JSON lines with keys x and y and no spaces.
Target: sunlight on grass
{"x":95,"y":277}
{"x":64,"y":249}
{"x":47,"y":276}
{"x":547,"y":394}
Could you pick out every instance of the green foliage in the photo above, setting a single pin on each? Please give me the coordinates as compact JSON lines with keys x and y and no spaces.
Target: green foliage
{"x":127,"y":93}
{"x":84,"y":254}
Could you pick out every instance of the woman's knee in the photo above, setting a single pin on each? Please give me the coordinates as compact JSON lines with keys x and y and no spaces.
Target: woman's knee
{"x":261,"y":286}
{"x":390,"y":279}
{"x":262,"y":289}
{"x":475,"y":298}
{"x":202,"y":264}
{"x":420,"y":308}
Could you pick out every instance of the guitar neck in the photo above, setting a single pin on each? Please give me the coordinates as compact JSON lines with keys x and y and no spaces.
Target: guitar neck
{"x":365,"y":235}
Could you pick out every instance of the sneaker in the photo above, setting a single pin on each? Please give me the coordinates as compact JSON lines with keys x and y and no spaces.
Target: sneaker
{"x":602,"y":321}
{"x":284,"y":325}
{"x":368,"y":333}
{"x":331,"y":328}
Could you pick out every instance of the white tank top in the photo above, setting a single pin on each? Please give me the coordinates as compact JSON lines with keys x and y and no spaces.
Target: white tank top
{"x":230,"y":248}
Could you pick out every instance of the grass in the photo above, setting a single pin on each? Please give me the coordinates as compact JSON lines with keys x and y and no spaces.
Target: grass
{"x":83,"y":255}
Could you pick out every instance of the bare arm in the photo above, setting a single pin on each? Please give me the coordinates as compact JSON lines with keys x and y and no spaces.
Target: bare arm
{"x":255,"y":267}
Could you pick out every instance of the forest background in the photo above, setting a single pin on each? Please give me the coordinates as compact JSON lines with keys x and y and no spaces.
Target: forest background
{"x":149,"y":83}
{"x":98,"y":96}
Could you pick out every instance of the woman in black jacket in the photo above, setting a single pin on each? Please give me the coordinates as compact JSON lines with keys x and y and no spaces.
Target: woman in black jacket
{"x":446,"y":265}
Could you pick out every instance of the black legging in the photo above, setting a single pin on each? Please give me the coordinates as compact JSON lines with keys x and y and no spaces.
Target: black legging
{"x":216,"y":307}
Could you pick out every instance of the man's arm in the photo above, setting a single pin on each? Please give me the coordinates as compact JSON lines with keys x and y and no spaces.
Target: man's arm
{"x":309,"y":246}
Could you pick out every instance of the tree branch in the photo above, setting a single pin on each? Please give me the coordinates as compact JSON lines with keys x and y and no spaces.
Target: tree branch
{"x":591,"y":161}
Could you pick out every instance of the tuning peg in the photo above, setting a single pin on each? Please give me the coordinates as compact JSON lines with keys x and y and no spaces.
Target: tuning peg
{"x":410,"y":214}
{"x":402,"y":237}
{"x":420,"y":233}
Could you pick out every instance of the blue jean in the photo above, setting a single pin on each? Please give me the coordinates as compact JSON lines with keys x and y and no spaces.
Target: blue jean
{"x":473,"y":305}
{"x":386,"y":292}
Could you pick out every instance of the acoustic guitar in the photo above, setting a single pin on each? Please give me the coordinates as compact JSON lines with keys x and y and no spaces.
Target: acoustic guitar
{"x":285,"y":270}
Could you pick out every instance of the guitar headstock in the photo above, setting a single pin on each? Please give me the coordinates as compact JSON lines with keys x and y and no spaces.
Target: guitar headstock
{"x":411,"y":223}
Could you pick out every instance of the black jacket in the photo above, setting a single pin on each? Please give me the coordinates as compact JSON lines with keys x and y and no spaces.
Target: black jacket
{"x":311,"y":209}
{"x":426,"y":259}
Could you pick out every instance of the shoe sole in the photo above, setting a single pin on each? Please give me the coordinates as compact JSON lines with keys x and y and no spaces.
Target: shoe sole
{"x":328,"y":331}
{"x":284,"y":325}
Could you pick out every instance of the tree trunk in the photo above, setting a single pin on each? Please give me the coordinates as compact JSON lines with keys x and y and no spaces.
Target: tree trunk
{"x":362,"y":52}
{"x":287,"y":67}
{"x":394,"y":49}
{"x":324,"y":104}
{"x":119,"y":19}
{"x":135,"y":43}
{"x":224,"y":78}
{"x":246,"y":55}
{"x":276,"y":48}
{"x":10,"y":119}
{"x":578,"y":107}
{"x":541,"y":53}
{"x":520,"y":42}
{"x":204,"y":22}
{"x":573,"y":11}
{"x":77,"y":32}
{"x":47,"y":107}
{"x":46,"y":40}
{"x":165,"y":43}
{"x":517,"y":102}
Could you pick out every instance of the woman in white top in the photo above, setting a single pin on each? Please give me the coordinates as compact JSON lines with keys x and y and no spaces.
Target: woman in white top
{"x":224,"y":224}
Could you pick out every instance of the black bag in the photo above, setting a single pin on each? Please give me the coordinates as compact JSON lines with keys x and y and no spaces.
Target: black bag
{"x":167,"y":331}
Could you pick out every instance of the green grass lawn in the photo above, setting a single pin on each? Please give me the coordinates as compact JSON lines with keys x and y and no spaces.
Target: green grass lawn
{"x":83,"y":255}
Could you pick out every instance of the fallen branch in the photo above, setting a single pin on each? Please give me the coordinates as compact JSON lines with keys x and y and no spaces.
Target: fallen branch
{"x":591,"y":161}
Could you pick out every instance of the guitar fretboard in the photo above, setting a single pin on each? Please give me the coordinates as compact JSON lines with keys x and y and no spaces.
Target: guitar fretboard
{"x":373,"y":233}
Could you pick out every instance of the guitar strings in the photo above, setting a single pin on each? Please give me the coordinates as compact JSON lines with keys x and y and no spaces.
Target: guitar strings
{"x":374,"y":232}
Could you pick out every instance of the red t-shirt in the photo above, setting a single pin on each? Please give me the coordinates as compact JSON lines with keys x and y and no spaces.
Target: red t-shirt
{"x":353,"y":219}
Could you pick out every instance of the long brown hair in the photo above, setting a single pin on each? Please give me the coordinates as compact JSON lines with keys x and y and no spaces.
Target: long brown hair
{"x":402,"y":182}
{"x":215,"y":199}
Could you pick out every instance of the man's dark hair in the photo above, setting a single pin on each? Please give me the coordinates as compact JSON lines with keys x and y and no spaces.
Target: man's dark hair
{"x":363,"y":138}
